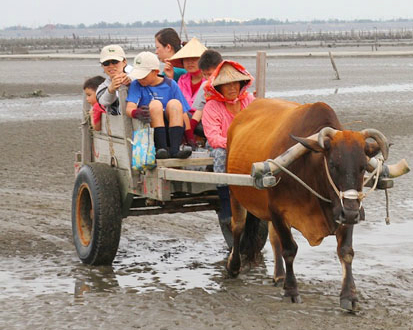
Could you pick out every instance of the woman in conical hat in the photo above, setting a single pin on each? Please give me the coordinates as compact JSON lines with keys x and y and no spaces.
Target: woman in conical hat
{"x":226,"y":95}
{"x":189,"y":83}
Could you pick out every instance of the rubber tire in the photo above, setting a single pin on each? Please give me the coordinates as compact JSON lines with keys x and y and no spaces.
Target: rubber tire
{"x":96,"y":214}
{"x":262,"y":232}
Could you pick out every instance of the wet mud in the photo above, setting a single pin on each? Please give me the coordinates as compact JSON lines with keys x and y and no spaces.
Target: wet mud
{"x":169,"y":272}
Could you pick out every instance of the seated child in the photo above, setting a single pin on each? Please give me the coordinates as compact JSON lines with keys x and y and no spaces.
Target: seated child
{"x":113,"y":61}
{"x":190,"y":82}
{"x":90,"y":86}
{"x":162,"y":98}
{"x":208,"y":62}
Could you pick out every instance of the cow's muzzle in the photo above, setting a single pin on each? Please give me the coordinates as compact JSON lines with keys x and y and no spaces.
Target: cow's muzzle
{"x":351,"y":210}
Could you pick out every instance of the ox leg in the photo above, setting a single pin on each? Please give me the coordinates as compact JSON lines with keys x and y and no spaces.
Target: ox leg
{"x":289,"y":251}
{"x":239,"y":215}
{"x":279,"y":272}
{"x":348,"y":295}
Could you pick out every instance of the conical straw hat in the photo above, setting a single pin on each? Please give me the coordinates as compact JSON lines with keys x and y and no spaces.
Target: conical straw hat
{"x":193,"y":48}
{"x":229,"y":74}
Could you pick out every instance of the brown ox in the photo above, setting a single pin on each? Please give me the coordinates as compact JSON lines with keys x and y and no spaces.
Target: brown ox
{"x":266,"y":129}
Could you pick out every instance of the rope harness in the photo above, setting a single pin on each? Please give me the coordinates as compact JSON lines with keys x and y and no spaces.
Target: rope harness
{"x":348,"y":194}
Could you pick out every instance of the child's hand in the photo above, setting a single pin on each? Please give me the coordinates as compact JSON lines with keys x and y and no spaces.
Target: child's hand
{"x":116,"y":82}
{"x":126,"y":80}
{"x":168,"y":69}
{"x":142,"y":113}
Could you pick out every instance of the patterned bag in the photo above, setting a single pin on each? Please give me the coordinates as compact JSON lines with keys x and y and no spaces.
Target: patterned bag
{"x":143,"y":149}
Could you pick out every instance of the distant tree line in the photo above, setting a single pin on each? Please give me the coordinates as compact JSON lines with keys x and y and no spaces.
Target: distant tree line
{"x":157,"y":23}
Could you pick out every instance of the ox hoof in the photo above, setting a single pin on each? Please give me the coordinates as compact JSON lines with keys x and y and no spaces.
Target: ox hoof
{"x":232,"y":274}
{"x":349,"y":305}
{"x":232,"y":271}
{"x":278,"y":282}
{"x":294,"y":299}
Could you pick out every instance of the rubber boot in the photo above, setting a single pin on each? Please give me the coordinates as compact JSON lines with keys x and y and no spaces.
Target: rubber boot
{"x":176,"y":134}
{"x":161,"y":145}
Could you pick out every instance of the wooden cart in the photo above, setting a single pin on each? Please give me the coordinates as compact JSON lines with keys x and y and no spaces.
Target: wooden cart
{"x":107,"y":189}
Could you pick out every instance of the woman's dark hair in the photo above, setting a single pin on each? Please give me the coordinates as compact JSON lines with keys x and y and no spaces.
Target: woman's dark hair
{"x":93,"y":83}
{"x":168,"y":36}
{"x":209,"y":59}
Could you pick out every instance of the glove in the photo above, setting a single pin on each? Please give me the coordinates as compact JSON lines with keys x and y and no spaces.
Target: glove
{"x":142,"y":113}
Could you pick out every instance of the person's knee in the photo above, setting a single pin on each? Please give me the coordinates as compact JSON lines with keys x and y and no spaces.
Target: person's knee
{"x":156,"y":108}
{"x":174,"y":106}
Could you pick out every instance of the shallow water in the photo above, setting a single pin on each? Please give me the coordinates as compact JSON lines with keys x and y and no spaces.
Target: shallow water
{"x":187,"y":256}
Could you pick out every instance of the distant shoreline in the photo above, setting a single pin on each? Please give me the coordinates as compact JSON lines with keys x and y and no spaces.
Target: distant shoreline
{"x":233,"y":54}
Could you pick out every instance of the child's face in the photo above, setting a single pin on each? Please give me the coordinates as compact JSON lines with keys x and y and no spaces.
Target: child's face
{"x":149,"y":79}
{"x":90,"y":96}
{"x":114,"y":69}
{"x":208,"y":72}
{"x":191,"y":64}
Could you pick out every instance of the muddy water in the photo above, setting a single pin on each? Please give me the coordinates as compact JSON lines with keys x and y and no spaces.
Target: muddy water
{"x":169,"y":272}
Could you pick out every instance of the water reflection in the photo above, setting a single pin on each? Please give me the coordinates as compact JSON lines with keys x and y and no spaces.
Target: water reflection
{"x":94,"y":279}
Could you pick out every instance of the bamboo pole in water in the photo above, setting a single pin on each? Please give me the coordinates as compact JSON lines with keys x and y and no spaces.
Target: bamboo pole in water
{"x":334,"y":65}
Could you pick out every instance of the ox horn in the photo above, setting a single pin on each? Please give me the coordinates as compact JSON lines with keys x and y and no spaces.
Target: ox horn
{"x":326,"y":131}
{"x":379,"y":138}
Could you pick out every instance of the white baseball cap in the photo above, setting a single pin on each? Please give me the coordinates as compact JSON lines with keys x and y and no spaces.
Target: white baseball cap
{"x":112,"y":52}
{"x":143,"y":64}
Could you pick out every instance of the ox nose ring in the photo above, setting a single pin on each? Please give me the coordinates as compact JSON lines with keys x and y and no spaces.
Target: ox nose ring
{"x":351,"y":194}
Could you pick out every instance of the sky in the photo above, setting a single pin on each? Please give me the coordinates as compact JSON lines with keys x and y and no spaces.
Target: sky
{"x":35,"y":13}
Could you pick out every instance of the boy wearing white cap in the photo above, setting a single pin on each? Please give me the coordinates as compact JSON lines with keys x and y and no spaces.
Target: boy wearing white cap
{"x":113,"y":61}
{"x":166,"y":104}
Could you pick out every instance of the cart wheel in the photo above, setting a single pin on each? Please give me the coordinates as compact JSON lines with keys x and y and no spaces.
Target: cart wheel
{"x":262,"y":233}
{"x":96,"y":214}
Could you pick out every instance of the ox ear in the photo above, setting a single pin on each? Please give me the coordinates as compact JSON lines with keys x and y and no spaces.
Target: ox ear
{"x":308,"y":143}
{"x":371,"y":149}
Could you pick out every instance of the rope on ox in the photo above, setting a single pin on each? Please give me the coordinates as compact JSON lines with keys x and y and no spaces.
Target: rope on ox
{"x":349,"y":194}
{"x":299,"y":180}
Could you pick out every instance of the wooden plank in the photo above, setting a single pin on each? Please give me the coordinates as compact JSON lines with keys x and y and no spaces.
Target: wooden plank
{"x":116,"y":126}
{"x":174,"y":162}
{"x":101,"y":152}
{"x":127,"y":132}
{"x":260,"y":74}
{"x":204,"y":177}
{"x":192,"y":187}
{"x":86,"y":135}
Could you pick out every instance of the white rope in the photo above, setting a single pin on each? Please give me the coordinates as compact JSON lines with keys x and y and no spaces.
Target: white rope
{"x":376,"y":172}
{"x":299,"y":180}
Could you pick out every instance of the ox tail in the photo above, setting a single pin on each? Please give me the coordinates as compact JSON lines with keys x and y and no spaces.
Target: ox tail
{"x":254,"y":237}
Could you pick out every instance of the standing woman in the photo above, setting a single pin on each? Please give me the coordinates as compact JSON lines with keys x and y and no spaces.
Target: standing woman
{"x":167,"y":43}
{"x":190,"y":82}
{"x":226,"y":95}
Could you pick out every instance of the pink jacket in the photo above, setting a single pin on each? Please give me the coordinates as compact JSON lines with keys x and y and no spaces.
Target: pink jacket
{"x":216,"y":120}
{"x":184,"y":84}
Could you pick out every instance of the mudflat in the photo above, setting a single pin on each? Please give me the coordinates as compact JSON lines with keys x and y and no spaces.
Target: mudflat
{"x":170,"y":269}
